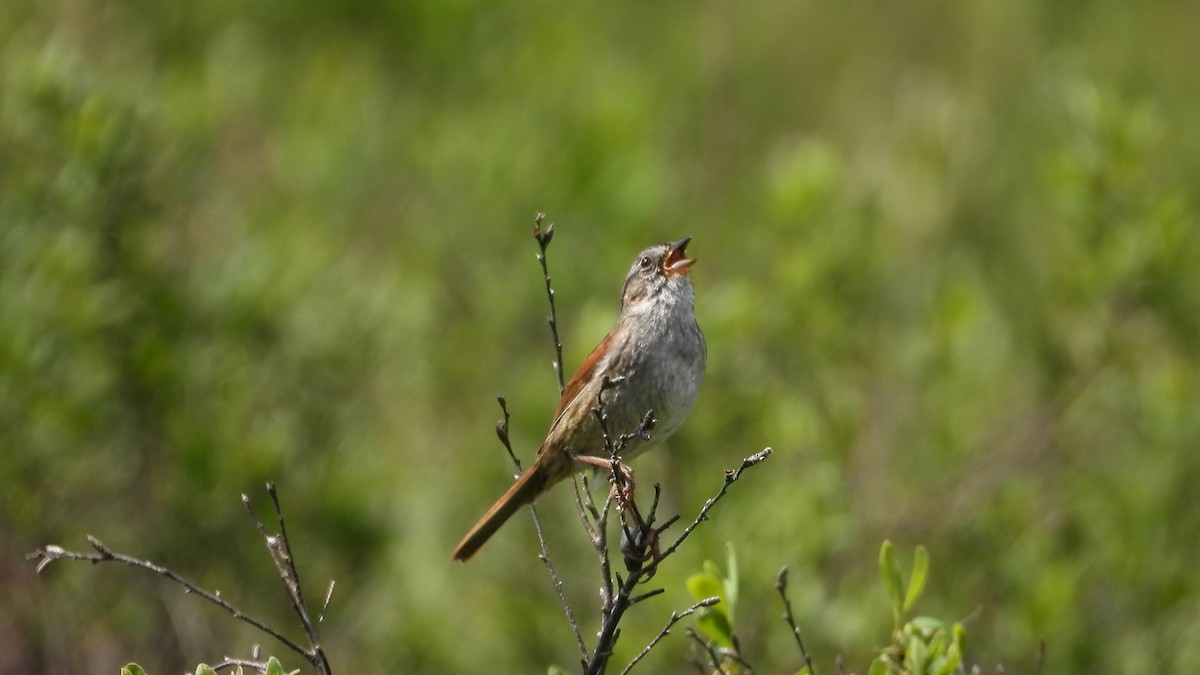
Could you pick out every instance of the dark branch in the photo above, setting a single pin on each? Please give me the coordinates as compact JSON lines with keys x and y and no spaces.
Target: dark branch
{"x":544,"y":237}
{"x":544,"y":556}
{"x":731,"y":477}
{"x":713,"y":657}
{"x":781,"y":586}
{"x":624,"y":599}
{"x":280,"y":549}
{"x":45,"y":556}
{"x":675,"y":618}
{"x":230,"y":662}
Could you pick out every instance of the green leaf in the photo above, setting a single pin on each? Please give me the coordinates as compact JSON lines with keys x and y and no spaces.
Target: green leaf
{"x":916,"y":582}
{"x":949,"y":664}
{"x":133,"y":669}
{"x":927,"y":625}
{"x":555,"y":670}
{"x":703,"y":586}
{"x":878,"y":667}
{"x":716,"y":626}
{"x":274,"y":667}
{"x":731,"y":581}
{"x":711,"y":569}
{"x":205,"y":669}
{"x":891,"y":580}
{"x":916,"y":655}
{"x":937,"y":644}
{"x":959,"y":638}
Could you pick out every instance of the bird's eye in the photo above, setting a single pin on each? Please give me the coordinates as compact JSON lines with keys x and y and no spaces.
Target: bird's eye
{"x":645,"y":262}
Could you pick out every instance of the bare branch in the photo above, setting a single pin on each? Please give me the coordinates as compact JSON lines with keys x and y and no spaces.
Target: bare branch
{"x":781,"y":586}
{"x":230,"y":662}
{"x":731,"y":477}
{"x":49,"y":554}
{"x":713,"y":657}
{"x":624,"y":599}
{"x":543,"y":238}
{"x":325,"y":605}
{"x":544,"y":556}
{"x":675,"y":618}
{"x":280,"y":549}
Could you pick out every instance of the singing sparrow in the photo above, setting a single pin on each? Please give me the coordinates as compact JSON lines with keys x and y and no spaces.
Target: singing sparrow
{"x":653,"y":359}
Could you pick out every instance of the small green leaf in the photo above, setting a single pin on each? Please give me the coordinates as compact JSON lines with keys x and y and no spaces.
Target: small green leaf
{"x":133,"y":669}
{"x":205,"y":669}
{"x":238,"y":671}
{"x":916,"y":655}
{"x":916,"y":582}
{"x":878,"y":667}
{"x":703,"y":586}
{"x":731,"y":581}
{"x":950,"y":663}
{"x":274,"y":667}
{"x":715,"y":624}
{"x":959,"y":638}
{"x":555,"y":670}
{"x":804,"y":671}
{"x":937,"y":644}
{"x":891,"y":580}
{"x":927,"y":625}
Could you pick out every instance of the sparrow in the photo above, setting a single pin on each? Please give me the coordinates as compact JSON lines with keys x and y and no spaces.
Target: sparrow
{"x":652,"y":360}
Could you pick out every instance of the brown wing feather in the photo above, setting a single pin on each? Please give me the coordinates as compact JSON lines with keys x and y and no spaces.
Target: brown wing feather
{"x":583,"y":374}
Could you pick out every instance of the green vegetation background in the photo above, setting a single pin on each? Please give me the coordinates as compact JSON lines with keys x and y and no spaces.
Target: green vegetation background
{"x":949,"y":269}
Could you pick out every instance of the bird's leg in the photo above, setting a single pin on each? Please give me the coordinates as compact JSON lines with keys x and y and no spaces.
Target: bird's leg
{"x":639,"y":541}
{"x":621,"y":477}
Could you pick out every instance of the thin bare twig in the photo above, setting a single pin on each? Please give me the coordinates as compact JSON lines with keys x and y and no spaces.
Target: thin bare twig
{"x":624,"y":599}
{"x":731,"y":477}
{"x":230,"y":662}
{"x":281,"y":555}
{"x":325,"y":605}
{"x":713,"y":657}
{"x":1041,"y":657}
{"x":48,"y":554}
{"x":781,"y":586}
{"x":544,"y":556}
{"x":675,"y":618}
{"x":544,"y":237}
{"x":280,"y":549}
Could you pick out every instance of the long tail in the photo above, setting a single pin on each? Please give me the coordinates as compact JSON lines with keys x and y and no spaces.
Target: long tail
{"x":528,"y":486}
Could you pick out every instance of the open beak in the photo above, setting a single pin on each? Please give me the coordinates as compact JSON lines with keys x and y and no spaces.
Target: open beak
{"x":677,"y":261}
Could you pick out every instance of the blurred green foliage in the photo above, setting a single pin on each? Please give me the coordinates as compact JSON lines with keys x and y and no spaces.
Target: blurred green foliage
{"x":950,"y":270}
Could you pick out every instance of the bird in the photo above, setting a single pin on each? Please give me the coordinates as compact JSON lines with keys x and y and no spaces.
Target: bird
{"x":652,"y":360}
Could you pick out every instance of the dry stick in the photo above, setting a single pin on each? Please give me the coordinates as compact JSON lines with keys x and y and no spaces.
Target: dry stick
{"x":51,"y":553}
{"x":675,"y":618}
{"x":781,"y":586}
{"x":731,"y":477}
{"x":231,"y":662}
{"x":608,"y":630}
{"x":544,"y":556}
{"x":619,"y":483}
{"x":544,"y":237}
{"x":280,"y":549}
{"x":708,"y":649}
